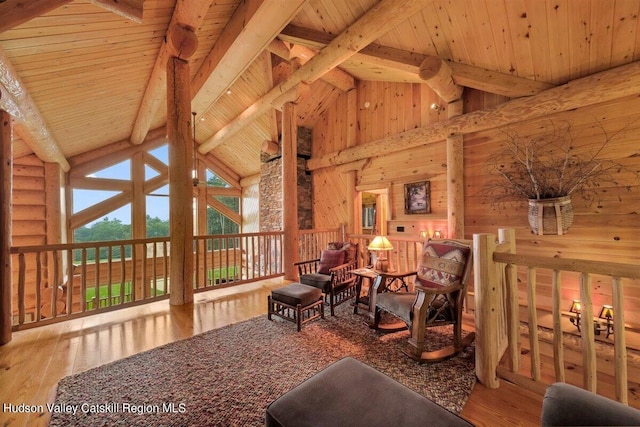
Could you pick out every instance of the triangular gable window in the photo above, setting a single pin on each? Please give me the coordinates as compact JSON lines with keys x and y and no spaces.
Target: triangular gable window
{"x":214,"y":180}
{"x":120,"y":171}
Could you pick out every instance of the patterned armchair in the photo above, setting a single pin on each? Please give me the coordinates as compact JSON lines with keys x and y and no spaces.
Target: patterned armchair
{"x":440,"y":286}
{"x":330,"y":272}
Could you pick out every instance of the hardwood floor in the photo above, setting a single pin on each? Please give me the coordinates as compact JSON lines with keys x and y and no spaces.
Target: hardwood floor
{"x":35,"y":360}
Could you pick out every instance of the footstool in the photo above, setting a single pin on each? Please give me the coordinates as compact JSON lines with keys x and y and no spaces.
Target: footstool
{"x":296,"y":303}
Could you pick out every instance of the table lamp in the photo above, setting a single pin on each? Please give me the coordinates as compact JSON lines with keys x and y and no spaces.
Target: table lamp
{"x":382,"y":245}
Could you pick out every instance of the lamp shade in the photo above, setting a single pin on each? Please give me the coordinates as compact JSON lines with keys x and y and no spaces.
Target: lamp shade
{"x":575,"y":306}
{"x":606,"y":312}
{"x":380,"y":243}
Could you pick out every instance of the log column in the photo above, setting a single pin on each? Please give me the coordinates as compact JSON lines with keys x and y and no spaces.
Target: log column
{"x":455,"y":178}
{"x":182,"y":44}
{"x":290,"y":189}
{"x":439,"y":76}
{"x":139,"y":222}
{"x":6,"y":180}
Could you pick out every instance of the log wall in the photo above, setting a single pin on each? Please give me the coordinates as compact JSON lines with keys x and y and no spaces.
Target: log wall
{"x":605,"y":229}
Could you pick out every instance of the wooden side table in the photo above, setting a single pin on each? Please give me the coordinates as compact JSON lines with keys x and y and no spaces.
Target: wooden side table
{"x":362,"y":273}
{"x":386,"y":279}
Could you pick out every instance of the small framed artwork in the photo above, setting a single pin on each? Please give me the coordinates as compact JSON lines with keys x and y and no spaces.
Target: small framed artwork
{"x":417,"y":198}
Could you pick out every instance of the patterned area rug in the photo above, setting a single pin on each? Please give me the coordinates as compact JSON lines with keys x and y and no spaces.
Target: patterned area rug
{"x":228,"y":376}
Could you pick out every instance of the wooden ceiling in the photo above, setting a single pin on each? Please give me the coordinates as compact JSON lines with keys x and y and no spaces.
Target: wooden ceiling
{"x":82,"y":77}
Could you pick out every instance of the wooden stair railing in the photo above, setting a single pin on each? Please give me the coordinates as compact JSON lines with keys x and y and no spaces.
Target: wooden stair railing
{"x":497,"y":314}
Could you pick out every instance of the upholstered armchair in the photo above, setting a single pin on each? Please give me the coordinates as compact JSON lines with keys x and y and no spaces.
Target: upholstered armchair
{"x":330,"y":272}
{"x":440,"y":286}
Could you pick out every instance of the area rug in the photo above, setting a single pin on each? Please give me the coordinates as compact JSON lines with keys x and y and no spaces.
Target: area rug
{"x":228,"y":376}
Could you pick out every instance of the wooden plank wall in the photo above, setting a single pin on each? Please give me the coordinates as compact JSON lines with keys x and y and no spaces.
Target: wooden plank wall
{"x":381,"y":109}
{"x":607,"y":229}
{"x":29,"y":213}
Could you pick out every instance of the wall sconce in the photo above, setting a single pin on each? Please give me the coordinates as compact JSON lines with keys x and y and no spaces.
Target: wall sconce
{"x":436,"y":107}
{"x":437,"y":234}
{"x":575,"y":308}
{"x":607,"y":314}
{"x":424,"y":235}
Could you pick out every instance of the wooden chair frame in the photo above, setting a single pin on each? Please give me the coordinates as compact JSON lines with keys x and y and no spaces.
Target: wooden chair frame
{"x":424,"y":313}
{"x":343,"y":285}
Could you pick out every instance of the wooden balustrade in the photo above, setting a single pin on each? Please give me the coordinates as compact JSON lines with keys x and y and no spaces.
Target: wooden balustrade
{"x":311,"y":243}
{"x":58,"y":282}
{"x":498,"y":314}
{"x":403,"y":256}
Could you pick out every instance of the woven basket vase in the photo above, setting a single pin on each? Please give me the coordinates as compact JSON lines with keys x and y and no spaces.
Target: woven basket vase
{"x":550,"y":216}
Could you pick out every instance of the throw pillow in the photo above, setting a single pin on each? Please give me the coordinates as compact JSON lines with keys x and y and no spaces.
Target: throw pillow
{"x":329,"y":259}
{"x":442,"y":264}
{"x":351,"y":249}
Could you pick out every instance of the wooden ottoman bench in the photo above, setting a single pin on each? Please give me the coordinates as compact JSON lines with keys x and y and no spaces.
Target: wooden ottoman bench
{"x":350,"y":393}
{"x":296,"y":303}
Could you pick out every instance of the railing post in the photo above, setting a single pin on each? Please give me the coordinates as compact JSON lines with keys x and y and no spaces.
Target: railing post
{"x":507,"y":236}
{"x":6,"y":180}
{"x":487,"y":308}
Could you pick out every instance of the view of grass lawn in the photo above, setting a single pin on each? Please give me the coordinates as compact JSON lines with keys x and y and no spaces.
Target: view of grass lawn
{"x":215,"y":275}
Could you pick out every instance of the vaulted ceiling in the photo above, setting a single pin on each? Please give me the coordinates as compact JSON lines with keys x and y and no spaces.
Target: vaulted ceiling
{"x":86,"y":74}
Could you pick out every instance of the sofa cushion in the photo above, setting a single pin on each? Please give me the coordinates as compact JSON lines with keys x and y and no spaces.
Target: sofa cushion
{"x":330,"y":258}
{"x":350,"y":393}
{"x":568,"y":405}
{"x":441,"y":264}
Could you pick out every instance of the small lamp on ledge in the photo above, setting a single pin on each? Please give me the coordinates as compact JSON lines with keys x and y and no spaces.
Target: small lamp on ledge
{"x":607,"y":314}
{"x":382,"y":245}
{"x":575,"y":308}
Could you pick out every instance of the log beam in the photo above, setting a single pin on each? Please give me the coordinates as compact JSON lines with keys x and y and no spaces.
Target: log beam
{"x":252,"y":27}
{"x":270,"y":147}
{"x":16,"y":100}
{"x":336,"y":77}
{"x":605,"y":86}
{"x":16,"y":12}
{"x":439,"y":76}
{"x":409,"y":63}
{"x":377,"y":21}
{"x":189,"y":15}
{"x":129,"y":9}
{"x":6,"y":181}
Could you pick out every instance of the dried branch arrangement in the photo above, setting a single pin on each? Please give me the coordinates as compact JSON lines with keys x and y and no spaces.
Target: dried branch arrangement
{"x":548,"y":165}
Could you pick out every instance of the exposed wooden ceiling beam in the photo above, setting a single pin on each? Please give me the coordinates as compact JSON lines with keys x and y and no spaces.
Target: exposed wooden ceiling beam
{"x":336,"y":77}
{"x":602,"y":87}
{"x":129,"y":9}
{"x":16,"y":12}
{"x":187,"y":13}
{"x":253,"y":26}
{"x":398,"y":59}
{"x":15,"y":99}
{"x":377,"y":21}
{"x":439,"y":76}
{"x":94,"y":160}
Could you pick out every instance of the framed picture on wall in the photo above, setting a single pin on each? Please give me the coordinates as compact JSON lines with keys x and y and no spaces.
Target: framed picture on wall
{"x":417,"y":198}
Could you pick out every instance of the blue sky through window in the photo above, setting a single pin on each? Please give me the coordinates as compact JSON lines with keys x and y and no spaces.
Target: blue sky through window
{"x":157,"y":206}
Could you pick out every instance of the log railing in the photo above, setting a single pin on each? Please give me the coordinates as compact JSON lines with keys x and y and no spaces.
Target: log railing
{"x":403,"y":256}
{"x":311,"y":243}
{"x":498,"y":313}
{"x":59,"y":282}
